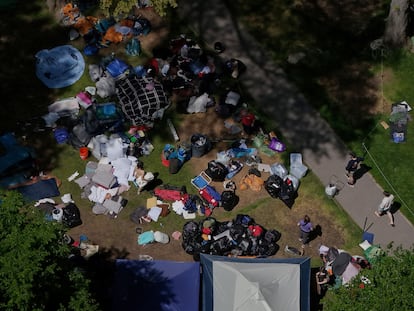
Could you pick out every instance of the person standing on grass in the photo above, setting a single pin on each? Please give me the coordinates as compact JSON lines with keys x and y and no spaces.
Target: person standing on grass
{"x":385,"y":207}
{"x":306,"y":228}
{"x":351,"y":167}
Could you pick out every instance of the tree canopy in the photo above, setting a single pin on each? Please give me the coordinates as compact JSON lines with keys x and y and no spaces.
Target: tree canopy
{"x":123,"y":7}
{"x":391,"y":280}
{"x":35,"y":270}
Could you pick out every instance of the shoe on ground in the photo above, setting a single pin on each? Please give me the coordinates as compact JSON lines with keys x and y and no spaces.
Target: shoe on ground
{"x":250,"y":162}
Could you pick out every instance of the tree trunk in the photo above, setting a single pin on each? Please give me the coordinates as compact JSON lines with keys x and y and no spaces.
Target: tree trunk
{"x":395,"y":29}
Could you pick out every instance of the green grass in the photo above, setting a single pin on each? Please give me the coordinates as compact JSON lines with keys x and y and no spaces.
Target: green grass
{"x":392,"y":164}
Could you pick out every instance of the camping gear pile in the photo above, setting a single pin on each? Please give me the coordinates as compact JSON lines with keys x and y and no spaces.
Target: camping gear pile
{"x":241,"y":236}
{"x":284,"y":184}
{"x":103,"y":182}
{"x":189,"y":205}
{"x":100,"y":33}
{"x":67,"y":213}
{"x":174,"y":158}
{"x":398,"y":121}
{"x":283,"y":188}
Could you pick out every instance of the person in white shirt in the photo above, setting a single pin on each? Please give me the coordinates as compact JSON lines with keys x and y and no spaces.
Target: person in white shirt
{"x":331,"y":190}
{"x":385,"y":207}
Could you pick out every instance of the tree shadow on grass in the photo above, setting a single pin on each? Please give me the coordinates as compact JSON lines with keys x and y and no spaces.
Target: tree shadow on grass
{"x":27,"y":28}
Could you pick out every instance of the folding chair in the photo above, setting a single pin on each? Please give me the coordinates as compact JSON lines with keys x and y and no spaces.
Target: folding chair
{"x":201,"y":181}
{"x":367,"y":236}
{"x":334,"y":187}
{"x":334,"y":180}
{"x":297,"y":168}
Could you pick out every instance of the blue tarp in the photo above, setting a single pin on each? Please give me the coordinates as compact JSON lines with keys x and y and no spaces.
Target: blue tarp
{"x":156,"y":285}
{"x":44,"y":188}
{"x":59,"y":67}
{"x":15,"y":161}
{"x":117,"y":67}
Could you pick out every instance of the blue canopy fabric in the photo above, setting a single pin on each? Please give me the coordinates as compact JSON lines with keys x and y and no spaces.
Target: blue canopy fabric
{"x":59,"y":67}
{"x":156,"y":285}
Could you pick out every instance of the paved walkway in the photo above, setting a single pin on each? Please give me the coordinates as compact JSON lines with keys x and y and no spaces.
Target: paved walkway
{"x":323,"y":152}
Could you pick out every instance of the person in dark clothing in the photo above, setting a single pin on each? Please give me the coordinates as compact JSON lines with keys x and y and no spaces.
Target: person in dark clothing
{"x":322,"y":281}
{"x":352,"y":166}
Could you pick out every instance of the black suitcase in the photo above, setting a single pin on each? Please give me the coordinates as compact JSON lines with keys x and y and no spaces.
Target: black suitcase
{"x":216,"y":170}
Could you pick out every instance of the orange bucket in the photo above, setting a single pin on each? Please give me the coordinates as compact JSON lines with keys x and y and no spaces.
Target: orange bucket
{"x":83,"y":153}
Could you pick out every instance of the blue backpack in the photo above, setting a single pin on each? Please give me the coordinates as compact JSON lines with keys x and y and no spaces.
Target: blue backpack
{"x":61,"y":135}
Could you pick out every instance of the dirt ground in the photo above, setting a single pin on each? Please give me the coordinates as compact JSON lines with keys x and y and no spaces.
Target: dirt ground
{"x":117,"y":238}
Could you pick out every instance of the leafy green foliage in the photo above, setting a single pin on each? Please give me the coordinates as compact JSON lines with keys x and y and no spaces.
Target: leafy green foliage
{"x":35,"y":272}
{"x":123,"y":7}
{"x":390,"y":288}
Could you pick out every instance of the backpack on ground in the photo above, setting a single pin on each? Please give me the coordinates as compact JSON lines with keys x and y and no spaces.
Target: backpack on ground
{"x":216,"y":170}
{"x":272,"y":236}
{"x":229,"y":200}
{"x":174,"y":166}
{"x":273,"y":185}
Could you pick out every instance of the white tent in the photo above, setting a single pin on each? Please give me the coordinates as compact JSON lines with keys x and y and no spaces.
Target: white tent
{"x":255,"y":284}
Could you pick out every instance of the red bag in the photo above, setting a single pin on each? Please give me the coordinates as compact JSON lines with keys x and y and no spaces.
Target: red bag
{"x":170,"y":195}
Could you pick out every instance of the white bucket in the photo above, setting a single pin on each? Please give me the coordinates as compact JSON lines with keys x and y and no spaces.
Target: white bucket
{"x":161,"y":237}
{"x":57,"y":214}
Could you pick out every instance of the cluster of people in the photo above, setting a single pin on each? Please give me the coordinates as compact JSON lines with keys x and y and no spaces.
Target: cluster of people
{"x":384,"y":208}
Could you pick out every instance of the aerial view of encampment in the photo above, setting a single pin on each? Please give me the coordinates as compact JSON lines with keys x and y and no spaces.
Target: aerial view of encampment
{"x":160,"y":155}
